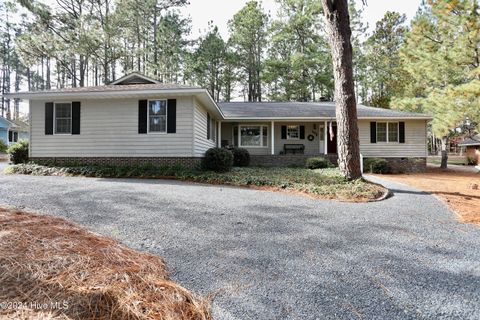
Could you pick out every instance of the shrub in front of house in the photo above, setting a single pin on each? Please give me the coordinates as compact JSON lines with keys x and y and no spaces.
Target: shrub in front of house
{"x":3,"y":147}
{"x":218,"y":160}
{"x":241,"y":157}
{"x":18,"y":152}
{"x":376,"y":165}
{"x":318,"y":163}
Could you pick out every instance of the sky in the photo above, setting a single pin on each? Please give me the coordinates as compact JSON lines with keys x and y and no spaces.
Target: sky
{"x":220,"y":11}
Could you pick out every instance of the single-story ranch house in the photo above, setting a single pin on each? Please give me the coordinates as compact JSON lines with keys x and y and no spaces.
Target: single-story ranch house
{"x":138,"y":119}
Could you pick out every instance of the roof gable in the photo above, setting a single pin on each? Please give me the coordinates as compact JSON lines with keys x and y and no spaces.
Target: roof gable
{"x":5,"y":123}
{"x":134,"y":78}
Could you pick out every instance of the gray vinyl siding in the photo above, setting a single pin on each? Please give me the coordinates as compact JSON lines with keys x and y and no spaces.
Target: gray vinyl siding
{"x":414,"y":146}
{"x":200,"y":141}
{"x":415,"y":141}
{"x":311,"y":147}
{"x":109,"y":128}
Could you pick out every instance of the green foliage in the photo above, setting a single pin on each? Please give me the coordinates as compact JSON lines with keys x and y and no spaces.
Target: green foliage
{"x":218,"y":160}
{"x":3,"y":146}
{"x":241,"y":157}
{"x":248,"y":37}
{"x":209,"y":63}
{"x":318,"y":163}
{"x":440,"y":56}
{"x":376,"y":165}
{"x":385,"y":77}
{"x":326,"y":183}
{"x":18,"y":152}
{"x":298,"y":66}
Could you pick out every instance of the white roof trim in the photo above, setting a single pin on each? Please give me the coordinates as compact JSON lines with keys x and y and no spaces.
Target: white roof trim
{"x":132,"y":75}
{"x":99,"y":94}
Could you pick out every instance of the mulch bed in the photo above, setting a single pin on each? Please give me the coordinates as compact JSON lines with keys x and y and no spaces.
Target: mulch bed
{"x":53,"y":269}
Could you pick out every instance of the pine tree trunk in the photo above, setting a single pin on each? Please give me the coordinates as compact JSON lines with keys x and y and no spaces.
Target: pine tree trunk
{"x":338,"y":28}
{"x":444,"y":162}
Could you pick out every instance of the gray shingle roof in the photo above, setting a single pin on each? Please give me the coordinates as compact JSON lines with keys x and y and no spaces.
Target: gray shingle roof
{"x":113,"y":88}
{"x":237,"y":110}
{"x":472,"y":141}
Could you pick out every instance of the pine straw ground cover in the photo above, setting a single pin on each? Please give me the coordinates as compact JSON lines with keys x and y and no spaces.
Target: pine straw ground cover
{"x":318,"y":183}
{"x":53,"y":269}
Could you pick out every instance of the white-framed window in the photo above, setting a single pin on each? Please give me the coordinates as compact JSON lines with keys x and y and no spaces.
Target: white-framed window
{"x":293,"y":132}
{"x":63,"y":117}
{"x":387,"y":132}
{"x":12,"y":136}
{"x":211,"y":128}
{"x":393,"y":132}
{"x":253,"y":136}
{"x":157,"y":116}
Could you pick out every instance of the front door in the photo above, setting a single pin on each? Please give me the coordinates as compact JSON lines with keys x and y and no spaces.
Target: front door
{"x":332,"y":141}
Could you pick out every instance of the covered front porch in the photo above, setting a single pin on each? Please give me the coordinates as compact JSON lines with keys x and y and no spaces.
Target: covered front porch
{"x":280,"y":138}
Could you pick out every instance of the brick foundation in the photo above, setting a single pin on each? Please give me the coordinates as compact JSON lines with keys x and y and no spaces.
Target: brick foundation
{"x":286,"y":160}
{"x":189,"y":162}
{"x":407,"y":165}
{"x":397,"y":165}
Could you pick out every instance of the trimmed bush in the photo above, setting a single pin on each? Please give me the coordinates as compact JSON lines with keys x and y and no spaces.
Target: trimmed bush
{"x":318,"y":163}
{"x":18,"y":152}
{"x":3,"y":147}
{"x":218,"y":160}
{"x":241,"y":157}
{"x":376,"y":165}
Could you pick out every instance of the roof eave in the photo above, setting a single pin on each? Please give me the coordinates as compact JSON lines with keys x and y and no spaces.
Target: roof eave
{"x":41,"y":95}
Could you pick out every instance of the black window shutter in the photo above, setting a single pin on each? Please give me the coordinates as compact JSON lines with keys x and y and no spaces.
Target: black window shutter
{"x":76,"y":117}
{"x":284,"y":132}
{"x":401,"y":131}
{"x":10,"y":136}
{"x":373,"y":132}
{"x":208,"y":126}
{"x":302,"y":132}
{"x":171,"y":115}
{"x":15,"y":136}
{"x":49,"y":118}
{"x":142,"y":116}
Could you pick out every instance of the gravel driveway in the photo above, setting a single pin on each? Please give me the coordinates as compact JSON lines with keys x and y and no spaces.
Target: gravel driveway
{"x":277,"y":256}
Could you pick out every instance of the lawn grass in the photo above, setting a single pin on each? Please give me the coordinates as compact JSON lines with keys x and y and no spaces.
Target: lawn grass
{"x":319,"y":183}
{"x":51,"y":268}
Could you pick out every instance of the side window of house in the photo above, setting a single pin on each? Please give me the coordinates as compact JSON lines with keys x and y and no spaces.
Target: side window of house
{"x":381,"y":132}
{"x":391,"y":132}
{"x":63,"y":118}
{"x":157,"y":116}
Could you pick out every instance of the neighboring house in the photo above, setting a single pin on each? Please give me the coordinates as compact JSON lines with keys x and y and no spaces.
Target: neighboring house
{"x":12,"y":131}
{"x":137,"y":119}
{"x":472,"y":148}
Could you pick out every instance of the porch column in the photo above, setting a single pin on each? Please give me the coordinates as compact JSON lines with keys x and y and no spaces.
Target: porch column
{"x":272,"y":133}
{"x":325,"y":132}
{"x":219,"y":138}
